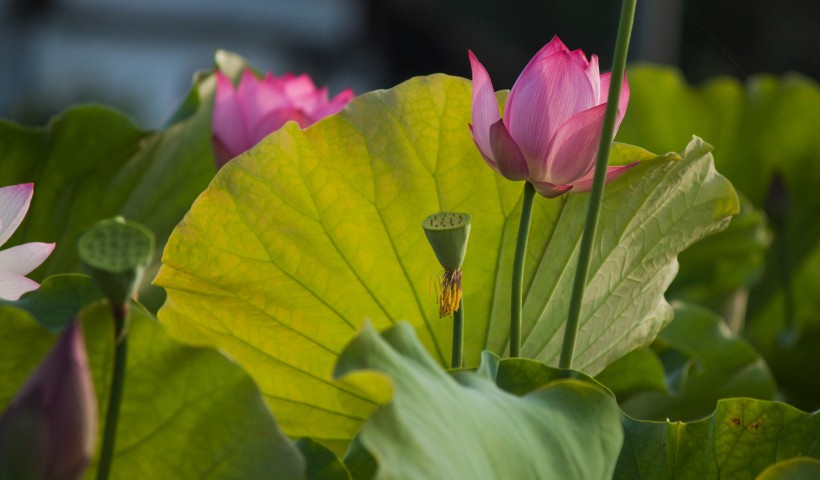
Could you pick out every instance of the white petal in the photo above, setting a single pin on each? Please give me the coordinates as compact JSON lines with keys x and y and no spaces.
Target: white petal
{"x":14,"y":202}
{"x":24,"y":258}
{"x":12,"y":286}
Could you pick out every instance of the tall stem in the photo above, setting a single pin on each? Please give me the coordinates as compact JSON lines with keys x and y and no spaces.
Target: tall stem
{"x":115,"y":396}
{"x":458,"y":335}
{"x":518,"y":270}
{"x":597,"y":195}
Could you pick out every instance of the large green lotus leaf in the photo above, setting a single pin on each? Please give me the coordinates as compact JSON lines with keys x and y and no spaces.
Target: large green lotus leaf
{"x":187,"y":413}
{"x":725,"y":366}
{"x":741,"y":439}
{"x":92,"y":163}
{"x":437,"y":427}
{"x":302,"y":238}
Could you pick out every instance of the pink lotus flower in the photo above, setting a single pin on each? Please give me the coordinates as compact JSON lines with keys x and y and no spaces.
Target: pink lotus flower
{"x":49,"y":429}
{"x":244,"y":116}
{"x":552,"y":121}
{"x":16,"y":262}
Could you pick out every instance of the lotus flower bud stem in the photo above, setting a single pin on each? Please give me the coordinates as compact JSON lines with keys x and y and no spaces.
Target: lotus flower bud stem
{"x":518,"y":270}
{"x":448,"y":233}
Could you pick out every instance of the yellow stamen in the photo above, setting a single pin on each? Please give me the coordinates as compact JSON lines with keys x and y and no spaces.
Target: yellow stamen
{"x":450,"y":293}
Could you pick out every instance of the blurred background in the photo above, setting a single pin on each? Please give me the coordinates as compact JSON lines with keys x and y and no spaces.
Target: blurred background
{"x":139,"y":56}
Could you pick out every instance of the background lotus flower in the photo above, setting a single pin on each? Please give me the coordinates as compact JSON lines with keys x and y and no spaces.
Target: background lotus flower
{"x":244,"y":116}
{"x":16,"y":262}
{"x":552,"y":120}
{"x":49,"y":429}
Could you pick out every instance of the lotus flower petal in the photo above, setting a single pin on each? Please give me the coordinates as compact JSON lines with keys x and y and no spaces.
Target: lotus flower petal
{"x":228,"y":118}
{"x":508,"y":156}
{"x":485,"y":109}
{"x":584,"y":184}
{"x":574,"y":147}
{"x":14,"y":285}
{"x":623,"y":99}
{"x":550,"y":190}
{"x":14,"y":203}
{"x":24,"y":258}
{"x":546,"y":95}
{"x":58,"y":401}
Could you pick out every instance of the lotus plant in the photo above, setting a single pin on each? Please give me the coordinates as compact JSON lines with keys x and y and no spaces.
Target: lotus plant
{"x":17,"y":262}
{"x":552,"y":121}
{"x":549,"y":136}
{"x":49,"y":429}
{"x":245,"y":115}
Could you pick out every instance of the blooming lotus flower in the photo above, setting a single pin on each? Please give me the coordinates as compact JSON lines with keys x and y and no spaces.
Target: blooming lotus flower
{"x":552,"y":121}
{"x":244,"y":116}
{"x":16,"y":262}
{"x":49,"y":429}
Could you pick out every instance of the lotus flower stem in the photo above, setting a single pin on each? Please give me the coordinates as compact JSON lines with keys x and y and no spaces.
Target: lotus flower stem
{"x":597,"y":194}
{"x":458,"y":335}
{"x":518,"y":270}
{"x":117,"y":382}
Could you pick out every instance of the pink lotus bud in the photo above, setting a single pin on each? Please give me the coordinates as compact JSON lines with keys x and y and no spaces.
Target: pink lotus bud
{"x":49,"y":429}
{"x":244,"y":116}
{"x":17,"y":262}
{"x":552,"y":121}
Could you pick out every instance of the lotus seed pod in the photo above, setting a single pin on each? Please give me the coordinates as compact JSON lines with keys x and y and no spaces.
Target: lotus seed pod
{"x":117,"y":252}
{"x":448,"y":233}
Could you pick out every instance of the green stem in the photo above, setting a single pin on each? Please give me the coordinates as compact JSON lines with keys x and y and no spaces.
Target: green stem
{"x":115,"y":396}
{"x":518,"y":270}
{"x":458,"y":335}
{"x":597,"y":194}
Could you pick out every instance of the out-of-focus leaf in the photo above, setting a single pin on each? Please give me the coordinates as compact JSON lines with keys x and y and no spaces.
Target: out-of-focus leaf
{"x":638,"y":371}
{"x":725,"y":366}
{"x":321,"y":463}
{"x":437,"y":427}
{"x":763,"y":129}
{"x":741,"y":439}
{"x":58,"y":299}
{"x":714,"y":268}
{"x":187,"y":413}
{"x":359,"y":462}
{"x":800,"y":468}
{"x":302,"y":238}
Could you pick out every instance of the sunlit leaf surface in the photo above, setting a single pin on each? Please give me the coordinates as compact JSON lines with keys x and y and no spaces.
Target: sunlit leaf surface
{"x":301,"y":239}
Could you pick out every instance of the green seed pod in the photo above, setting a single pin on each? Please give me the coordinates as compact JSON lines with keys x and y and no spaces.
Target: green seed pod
{"x":117,"y":252}
{"x":448,"y":233}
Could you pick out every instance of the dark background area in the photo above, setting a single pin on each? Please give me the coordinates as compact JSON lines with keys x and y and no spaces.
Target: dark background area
{"x":140,"y":55}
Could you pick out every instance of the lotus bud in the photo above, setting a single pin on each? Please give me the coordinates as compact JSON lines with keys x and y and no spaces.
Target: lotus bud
{"x":49,"y":429}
